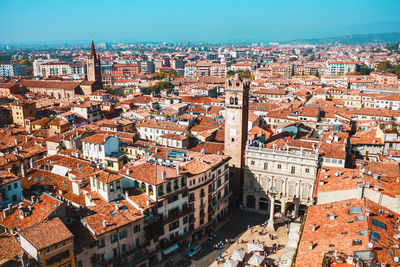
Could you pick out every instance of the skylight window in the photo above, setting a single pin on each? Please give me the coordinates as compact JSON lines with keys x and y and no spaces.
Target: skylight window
{"x":378,"y":224}
{"x":375,"y":235}
{"x":354,"y":210}
{"x":361,"y":217}
{"x":363,"y":232}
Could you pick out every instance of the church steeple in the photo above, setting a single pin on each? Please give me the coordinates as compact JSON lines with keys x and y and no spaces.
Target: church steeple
{"x":93,"y":66}
{"x":92,"y":51}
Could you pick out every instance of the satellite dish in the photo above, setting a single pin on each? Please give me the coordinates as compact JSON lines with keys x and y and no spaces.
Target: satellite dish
{"x":370,"y":245}
{"x":396,"y":259}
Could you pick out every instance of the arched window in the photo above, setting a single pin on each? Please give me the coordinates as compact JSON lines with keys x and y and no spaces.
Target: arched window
{"x":304,"y":193}
{"x":232,"y":101}
{"x":292,"y":188}
{"x":236,"y":101}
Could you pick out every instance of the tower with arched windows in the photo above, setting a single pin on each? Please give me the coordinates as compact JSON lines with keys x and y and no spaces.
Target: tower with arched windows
{"x":236,"y":121}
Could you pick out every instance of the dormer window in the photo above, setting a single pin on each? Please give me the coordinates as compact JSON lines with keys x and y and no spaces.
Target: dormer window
{"x":112,"y":187}
{"x":118,"y":184}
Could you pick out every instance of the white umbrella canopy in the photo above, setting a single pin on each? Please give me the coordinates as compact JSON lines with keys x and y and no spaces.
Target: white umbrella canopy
{"x":255,"y":247}
{"x":238,"y":255}
{"x":256,"y":260}
{"x":231,"y":263}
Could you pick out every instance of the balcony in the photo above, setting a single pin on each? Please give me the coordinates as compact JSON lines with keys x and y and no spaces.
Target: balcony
{"x":173,"y":217}
{"x":140,"y":255}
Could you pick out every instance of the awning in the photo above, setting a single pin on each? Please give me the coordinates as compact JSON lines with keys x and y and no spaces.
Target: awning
{"x":170,"y":249}
{"x":255,"y":247}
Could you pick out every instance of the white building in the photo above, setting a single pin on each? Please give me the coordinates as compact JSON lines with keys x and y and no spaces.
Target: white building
{"x":89,"y":110}
{"x":38,"y":62}
{"x":152,"y":130}
{"x":96,"y":147}
{"x":11,"y":70}
{"x":55,"y":69}
{"x":281,"y":178}
{"x":190,"y":69}
{"x":341,"y":67}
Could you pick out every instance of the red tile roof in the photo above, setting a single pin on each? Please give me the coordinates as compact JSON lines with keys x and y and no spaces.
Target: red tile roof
{"x":46,"y":234}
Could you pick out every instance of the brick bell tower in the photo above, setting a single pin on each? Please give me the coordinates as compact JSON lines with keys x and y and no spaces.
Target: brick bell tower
{"x":93,"y":66}
{"x":236,"y":121}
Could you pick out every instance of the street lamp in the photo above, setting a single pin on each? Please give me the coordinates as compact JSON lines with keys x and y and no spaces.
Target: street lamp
{"x":271,"y":223}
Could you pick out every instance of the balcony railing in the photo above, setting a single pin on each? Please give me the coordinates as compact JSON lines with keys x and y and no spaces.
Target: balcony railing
{"x":173,"y":217}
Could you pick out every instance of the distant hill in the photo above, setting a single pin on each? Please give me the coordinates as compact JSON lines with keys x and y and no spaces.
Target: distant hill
{"x":387,"y":38}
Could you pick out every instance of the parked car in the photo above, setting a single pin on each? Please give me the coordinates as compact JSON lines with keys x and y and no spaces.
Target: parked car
{"x":194,"y":250}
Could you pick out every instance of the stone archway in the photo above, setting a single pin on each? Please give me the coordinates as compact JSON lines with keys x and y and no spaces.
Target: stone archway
{"x":289,"y":207}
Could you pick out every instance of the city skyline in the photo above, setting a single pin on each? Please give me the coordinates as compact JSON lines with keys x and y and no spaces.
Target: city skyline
{"x":179,"y":21}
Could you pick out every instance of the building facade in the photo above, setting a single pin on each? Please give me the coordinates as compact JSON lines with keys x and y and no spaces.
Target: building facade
{"x":279,"y":180}
{"x":12,"y":70}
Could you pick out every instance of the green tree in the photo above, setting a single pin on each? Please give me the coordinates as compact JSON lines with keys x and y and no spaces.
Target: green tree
{"x":363,"y":69}
{"x":160,"y":75}
{"x":230,"y":73}
{"x":385,"y":66}
{"x":312,"y":58}
{"x":161,"y":86}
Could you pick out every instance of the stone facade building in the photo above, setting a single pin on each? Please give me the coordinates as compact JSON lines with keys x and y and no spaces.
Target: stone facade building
{"x":279,"y":180}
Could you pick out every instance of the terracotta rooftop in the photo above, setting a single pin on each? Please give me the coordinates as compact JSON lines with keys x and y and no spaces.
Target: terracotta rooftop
{"x":46,"y":234}
{"x":41,"y":210}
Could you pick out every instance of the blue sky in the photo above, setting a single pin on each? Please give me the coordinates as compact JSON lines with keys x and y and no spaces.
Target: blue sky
{"x":202,"y":20}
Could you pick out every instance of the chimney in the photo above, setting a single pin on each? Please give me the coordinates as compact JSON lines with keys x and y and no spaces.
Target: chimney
{"x":202,"y":151}
{"x":116,"y":206}
{"x":313,"y":227}
{"x":178,"y":170}
{"x":22,"y":169}
{"x":163,"y":175}
{"x":104,"y":223}
{"x":311,"y":246}
{"x":148,"y":201}
{"x":350,"y":259}
{"x":332,"y":216}
{"x":128,"y":171}
{"x":21,"y":213}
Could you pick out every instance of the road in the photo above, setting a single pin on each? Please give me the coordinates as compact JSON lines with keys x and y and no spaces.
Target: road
{"x":231,"y":231}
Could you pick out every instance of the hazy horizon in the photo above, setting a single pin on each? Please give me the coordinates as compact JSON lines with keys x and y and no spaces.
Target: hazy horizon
{"x":173,"y":21}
